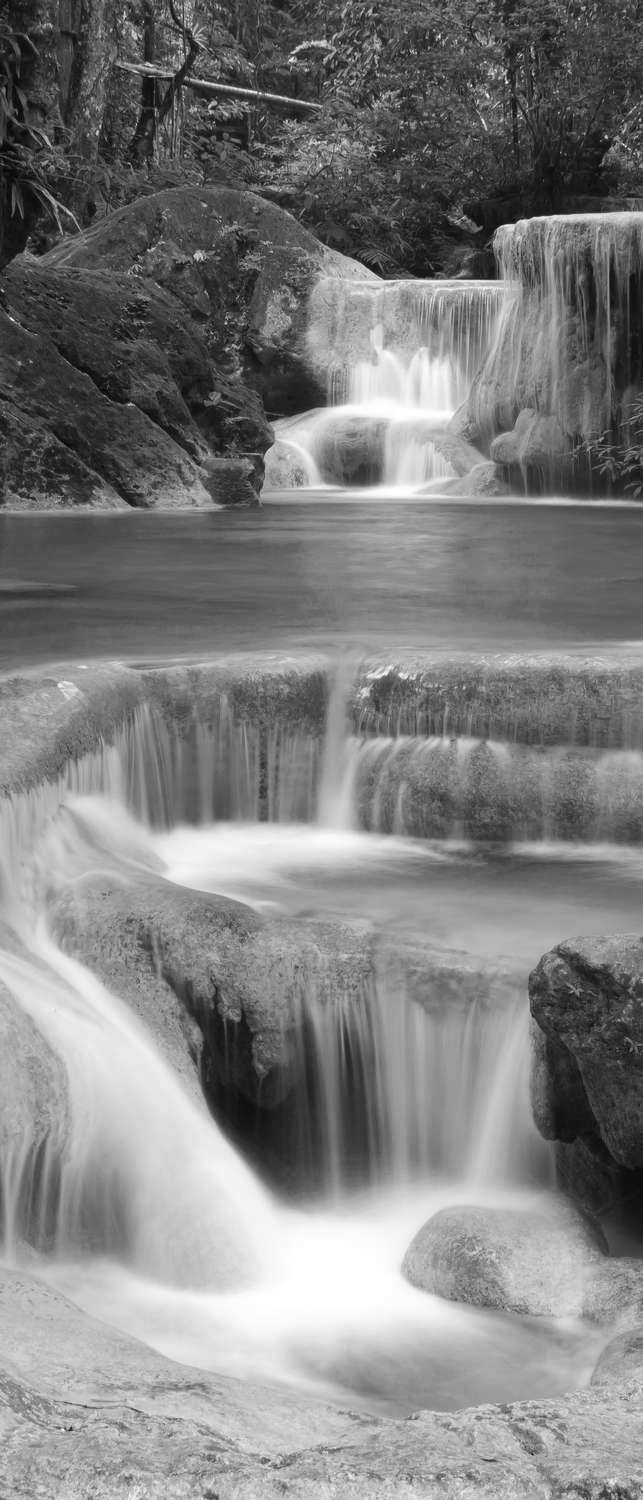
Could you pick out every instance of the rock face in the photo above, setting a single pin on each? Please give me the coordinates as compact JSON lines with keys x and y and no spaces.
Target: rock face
{"x":135,"y":359}
{"x":587,"y":1001}
{"x":539,"y":1262}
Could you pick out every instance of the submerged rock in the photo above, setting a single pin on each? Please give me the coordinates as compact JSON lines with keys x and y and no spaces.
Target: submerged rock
{"x":540,"y":1262}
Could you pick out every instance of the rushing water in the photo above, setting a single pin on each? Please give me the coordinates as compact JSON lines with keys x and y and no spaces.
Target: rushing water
{"x":398,"y":359}
{"x":450,"y":853}
{"x":402,"y":1103}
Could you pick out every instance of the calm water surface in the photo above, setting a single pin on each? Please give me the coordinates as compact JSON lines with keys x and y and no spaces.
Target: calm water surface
{"x":409,"y":574}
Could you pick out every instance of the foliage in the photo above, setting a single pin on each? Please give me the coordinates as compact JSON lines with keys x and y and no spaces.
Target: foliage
{"x":622,"y":462}
{"x":28,"y":159}
{"x":492,"y":107}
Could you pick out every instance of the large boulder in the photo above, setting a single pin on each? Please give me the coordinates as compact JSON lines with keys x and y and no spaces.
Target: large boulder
{"x":135,"y":359}
{"x":63,"y":442}
{"x":587,"y":1063}
{"x":541,"y":1262}
{"x":241,"y":268}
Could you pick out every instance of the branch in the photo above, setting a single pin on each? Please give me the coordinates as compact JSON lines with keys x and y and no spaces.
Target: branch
{"x":208,"y":89}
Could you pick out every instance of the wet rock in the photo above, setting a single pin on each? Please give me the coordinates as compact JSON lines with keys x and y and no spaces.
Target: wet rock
{"x":485,"y":478}
{"x":89,"y":1410}
{"x":587,"y":999}
{"x":116,"y":451}
{"x":539,"y":1262}
{"x":284,"y":468}
{"x":534,"y":443}
{"x":349,"y":450}
{"x":621,"y":1359}
{"x":212,"y":976}
{"x":596,"y":1183}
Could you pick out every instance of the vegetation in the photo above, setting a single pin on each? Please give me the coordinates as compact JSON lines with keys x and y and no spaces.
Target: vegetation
{"x":430,"y":113}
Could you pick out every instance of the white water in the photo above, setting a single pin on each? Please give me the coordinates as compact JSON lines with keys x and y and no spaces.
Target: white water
{"x":400,"y":358}
{"x":145,"y":1214}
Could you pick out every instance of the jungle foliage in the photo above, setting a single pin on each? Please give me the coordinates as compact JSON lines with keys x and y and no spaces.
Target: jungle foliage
{"x":431,"y":113}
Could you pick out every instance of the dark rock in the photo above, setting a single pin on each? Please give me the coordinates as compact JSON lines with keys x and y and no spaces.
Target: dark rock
{"x":533,"y":1261}
{"x":135,"y":459}
{"x":242,"y":269}
{"x":134,"y":358}
{"x":587,"y":998}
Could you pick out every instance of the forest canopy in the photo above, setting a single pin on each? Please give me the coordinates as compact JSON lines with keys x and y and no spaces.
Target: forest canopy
{"x":402,"y":125}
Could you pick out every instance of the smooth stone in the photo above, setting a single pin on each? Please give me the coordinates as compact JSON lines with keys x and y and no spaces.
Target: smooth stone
{"x":538,"y":1262}
{"x":621,"y":1359}
{"x":86,"y":1411}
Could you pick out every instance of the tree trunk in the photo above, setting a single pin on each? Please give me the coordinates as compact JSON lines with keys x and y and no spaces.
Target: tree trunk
{"x":141,"y":148}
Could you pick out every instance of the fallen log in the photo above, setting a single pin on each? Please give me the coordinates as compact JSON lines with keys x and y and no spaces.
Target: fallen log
{"x":208,"y":89}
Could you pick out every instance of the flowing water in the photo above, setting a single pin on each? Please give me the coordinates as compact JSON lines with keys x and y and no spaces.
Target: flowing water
{"x":453,"y":847}
{"x":398,"y":359}
{"x":403,"y":1101}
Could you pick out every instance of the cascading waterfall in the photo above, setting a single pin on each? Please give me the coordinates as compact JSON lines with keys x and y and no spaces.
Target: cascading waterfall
{"x":466,"y":788}
{"x":399,"y":358}
{"x":393,"y":1094}
{"x":564,"y":371}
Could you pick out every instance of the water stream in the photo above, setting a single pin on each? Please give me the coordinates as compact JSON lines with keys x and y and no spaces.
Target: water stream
{"x":399,"y":359}
{"x":402,"y":1103}
{"x":422,"y":857}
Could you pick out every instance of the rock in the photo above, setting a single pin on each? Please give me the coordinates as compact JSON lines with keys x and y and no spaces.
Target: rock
{"x":39,"y":471}
{"x":216,"y":982}
{"x":483,"y":479}
{"x":349,"y":450}
{"x":536,"y":442}
{"x":87,"y":1410}
{"x":614,"y":1293}
{"x":285,"y":468}
{"x":595,"y":1182}
{"x":116,"y":450}
{"x":587,"y":999}
{"x":134,"y":358}
{"x":532,"y":1261}
{"x":241,"y":268}
{"x":621,"y":1359}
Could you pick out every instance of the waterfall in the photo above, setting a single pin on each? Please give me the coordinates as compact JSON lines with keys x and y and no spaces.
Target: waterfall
{"x":390,"y":1091}
{"x":466,"y":788}
{"x":564,"y":372}
{"x":141,"y":1172}
{"x":399,"y":358}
